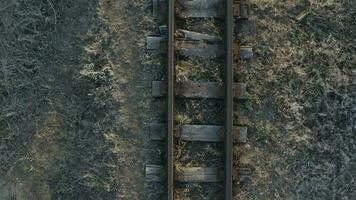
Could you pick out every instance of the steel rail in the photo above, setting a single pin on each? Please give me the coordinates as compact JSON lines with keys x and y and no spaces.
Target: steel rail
{"x":229,"y":79}
{"x":170,"y":96}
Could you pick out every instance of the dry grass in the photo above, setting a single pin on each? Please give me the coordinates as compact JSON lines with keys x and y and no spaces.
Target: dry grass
{"x":51,"y":116}
{"x":66,"y":125}
{"x":301,"y":136}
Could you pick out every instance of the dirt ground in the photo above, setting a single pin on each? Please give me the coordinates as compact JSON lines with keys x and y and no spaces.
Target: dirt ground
{"x":75,"y":100}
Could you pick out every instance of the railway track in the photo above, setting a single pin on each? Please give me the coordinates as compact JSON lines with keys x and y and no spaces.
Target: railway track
{"x":174,"y":43}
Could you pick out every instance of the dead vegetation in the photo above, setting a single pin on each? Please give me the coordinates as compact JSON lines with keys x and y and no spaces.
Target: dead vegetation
{"x":302,"y":138}
{"x":51,"y":116}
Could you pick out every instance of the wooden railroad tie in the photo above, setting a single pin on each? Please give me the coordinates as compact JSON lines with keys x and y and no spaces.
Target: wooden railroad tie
{"x":156,"y":173}
{"x":200,"y":49}
{"x":195,"y":44}
{"x":196,"y":36}
{"x":201,"y":8}
{"x":241,"y":9}
{"x":198,"y":133}
{"x":191,"y":89}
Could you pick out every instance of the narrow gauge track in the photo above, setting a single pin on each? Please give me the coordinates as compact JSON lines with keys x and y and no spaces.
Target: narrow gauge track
{"x":197,"y":44}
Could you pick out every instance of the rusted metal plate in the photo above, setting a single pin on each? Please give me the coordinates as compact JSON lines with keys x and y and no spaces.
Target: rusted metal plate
{"x":198,"y":133}
{"x":200,"y":8}
{"x":196,"y":36}
{"x":198,"y":174}
{"x":154,"y":173}
{"x":199,"y":49}
{"x":191,"y":89}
